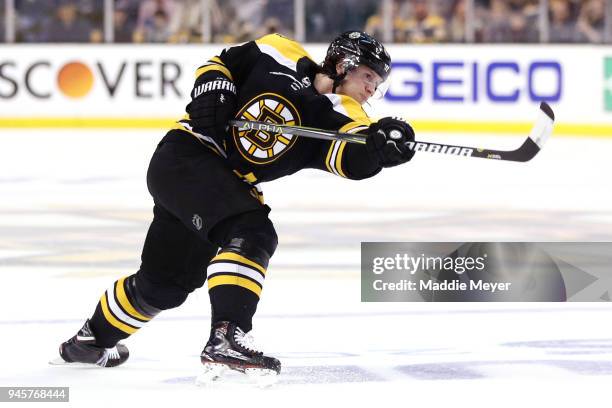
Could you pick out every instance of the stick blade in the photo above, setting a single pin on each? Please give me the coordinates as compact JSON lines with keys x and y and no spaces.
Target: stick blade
{"x":541,"y":131}
{"x":543,"y":127}
{"x":544,"y":107}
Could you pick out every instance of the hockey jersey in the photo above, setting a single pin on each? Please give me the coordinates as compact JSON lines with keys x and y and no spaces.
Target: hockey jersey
{"x":274,"y":77}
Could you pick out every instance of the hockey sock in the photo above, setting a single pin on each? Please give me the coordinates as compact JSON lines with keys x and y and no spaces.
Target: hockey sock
{"x":120,"y":312}
{"x":234,"y":286}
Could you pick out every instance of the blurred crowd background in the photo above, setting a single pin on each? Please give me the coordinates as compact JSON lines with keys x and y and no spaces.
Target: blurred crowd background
{"x":231,"y":21}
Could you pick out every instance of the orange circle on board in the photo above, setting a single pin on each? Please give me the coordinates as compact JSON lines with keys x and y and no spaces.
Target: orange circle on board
{"x":75,"y":80}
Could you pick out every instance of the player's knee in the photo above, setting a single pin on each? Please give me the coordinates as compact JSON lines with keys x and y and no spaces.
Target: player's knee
{"x":160,"y":295}
{"x":260,"y":236}
{"x":250,"y":234}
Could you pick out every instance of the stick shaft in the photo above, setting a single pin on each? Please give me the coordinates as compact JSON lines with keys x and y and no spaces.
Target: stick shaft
{"x":532,"y":145}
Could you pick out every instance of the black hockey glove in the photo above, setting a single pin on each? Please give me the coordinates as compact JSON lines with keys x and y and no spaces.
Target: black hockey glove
{"x":387,"y":141}
{"x":213,"y":104}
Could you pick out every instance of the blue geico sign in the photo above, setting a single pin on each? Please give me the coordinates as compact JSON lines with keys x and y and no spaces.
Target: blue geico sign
{"x":460,"y":81}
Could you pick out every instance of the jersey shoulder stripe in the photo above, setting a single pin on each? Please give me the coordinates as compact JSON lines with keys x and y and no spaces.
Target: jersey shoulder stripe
{"x":283,"y":50}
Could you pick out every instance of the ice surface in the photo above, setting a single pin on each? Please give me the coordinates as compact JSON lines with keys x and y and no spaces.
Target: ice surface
{"x":74,"y":210}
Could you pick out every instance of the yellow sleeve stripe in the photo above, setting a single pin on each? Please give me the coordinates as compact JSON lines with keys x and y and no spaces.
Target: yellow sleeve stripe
{"x":234,"y":280}
{"x":327,"y":159}
{"x":231,"y":256}
{"x":214,"y":67}
{"x":125,"y":302}
{"x":339,"y":159}
{"x":354,"y":127}
{"x":334,"y":158}
{"x":112,"y":320}
{"x":336,"y":151}
{"x":290,"y":49}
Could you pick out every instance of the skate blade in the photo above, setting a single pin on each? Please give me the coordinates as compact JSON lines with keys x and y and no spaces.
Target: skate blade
{"x":211,"y":373}
{"x":262,"y":377}
{"x":61,"y":362}
{"x":58,"y":361}
{"x":218,"y":375}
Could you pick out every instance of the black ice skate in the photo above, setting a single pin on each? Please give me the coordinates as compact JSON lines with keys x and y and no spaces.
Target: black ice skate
{"x":82,"y":349}
{"x":230,"y":348}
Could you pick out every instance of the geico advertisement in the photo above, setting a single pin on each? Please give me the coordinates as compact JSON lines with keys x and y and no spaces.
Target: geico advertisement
{"x":427,"y":82}
{"x":503,"y":82}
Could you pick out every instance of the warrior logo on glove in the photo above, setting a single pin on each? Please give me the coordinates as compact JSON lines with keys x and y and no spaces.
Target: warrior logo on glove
{"x":260,"y":146}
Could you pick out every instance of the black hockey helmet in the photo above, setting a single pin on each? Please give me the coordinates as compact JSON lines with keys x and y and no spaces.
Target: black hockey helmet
{"x":353,"y":48}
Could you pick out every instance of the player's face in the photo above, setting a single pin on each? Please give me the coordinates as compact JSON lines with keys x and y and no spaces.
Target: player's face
{"x":360,"y":84}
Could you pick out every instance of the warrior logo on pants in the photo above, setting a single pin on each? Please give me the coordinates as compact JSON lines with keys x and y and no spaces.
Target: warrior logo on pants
{"x":261,"y":146}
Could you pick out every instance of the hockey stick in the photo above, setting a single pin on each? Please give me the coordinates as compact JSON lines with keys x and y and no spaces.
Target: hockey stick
{"x":540,"y":132}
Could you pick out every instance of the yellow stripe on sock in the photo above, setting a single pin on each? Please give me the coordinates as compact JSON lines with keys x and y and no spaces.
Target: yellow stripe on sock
{"x":112,"y":320}
{"x":125,"y":302}
{"x":234,"y":280}
{"x":231,"y":256}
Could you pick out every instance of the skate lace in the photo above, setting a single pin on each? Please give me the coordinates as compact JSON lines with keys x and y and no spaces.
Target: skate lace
{"x":246,"y":341}
{"x":113,"y":353}
{"x":109,"y":354}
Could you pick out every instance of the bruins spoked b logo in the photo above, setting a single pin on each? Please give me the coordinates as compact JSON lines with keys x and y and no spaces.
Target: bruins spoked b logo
{"x":259,"y":146}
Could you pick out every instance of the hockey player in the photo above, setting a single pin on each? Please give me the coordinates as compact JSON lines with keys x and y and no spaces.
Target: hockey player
{"x":210,"y":220}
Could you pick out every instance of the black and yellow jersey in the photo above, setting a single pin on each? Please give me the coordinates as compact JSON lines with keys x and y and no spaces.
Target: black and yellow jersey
{"x":274,"y":78}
